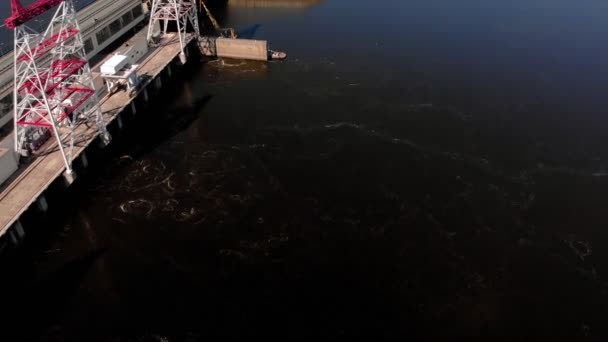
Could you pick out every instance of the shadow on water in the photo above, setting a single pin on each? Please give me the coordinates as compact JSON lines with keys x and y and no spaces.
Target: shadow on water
{"x":249,"y":32}
{"x":181,"y":118}
{"x":169,"y":124}
{"x":35,"y":307}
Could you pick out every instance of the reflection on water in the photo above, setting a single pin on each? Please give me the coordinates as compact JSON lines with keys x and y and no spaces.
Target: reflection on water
{"x":437,"y":172}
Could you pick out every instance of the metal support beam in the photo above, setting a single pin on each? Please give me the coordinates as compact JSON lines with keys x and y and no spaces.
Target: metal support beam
{"x":181,"y":12}
{"x":53,"y":87}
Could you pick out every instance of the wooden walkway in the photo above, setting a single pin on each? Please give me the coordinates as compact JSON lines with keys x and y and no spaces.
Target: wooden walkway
{"x":18,"y":196}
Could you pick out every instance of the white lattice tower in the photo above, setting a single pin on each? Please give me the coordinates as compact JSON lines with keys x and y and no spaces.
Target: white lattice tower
{"x":179,"y":11}
{"x":53,"y":87}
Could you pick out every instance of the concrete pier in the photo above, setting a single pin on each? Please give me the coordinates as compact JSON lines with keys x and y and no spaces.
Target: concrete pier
{"x":30,"y":185}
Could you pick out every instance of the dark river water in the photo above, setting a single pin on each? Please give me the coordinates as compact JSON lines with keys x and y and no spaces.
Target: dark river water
{"x":415,"y":170}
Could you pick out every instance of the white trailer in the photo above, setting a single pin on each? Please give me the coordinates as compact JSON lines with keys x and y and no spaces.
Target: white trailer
{"x":114,"y":64}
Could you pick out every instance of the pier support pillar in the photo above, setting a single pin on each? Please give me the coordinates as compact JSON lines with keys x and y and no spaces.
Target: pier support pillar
{"x":69,"y":177}
{"x":169,"y":70}
{"x":158,"y":83}
{"x":17,"y":233}
{"x":3,"y":245}
{"x":105,"y":138}
{"x":146,"y":95}
{"x":119,"y":120}
{"x":42,"y":203}
{"x":84,"y":159}
{"x":133,"y":108}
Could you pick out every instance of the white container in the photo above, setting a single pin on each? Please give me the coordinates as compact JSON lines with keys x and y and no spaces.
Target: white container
{"x":114,"y":64}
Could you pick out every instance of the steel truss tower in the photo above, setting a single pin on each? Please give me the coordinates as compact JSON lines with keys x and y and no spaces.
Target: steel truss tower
{"x":179,"y":11}
{"x":53,"y":87}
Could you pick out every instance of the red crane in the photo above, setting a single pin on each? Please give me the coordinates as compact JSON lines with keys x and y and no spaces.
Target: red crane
{"x":22,"y":14}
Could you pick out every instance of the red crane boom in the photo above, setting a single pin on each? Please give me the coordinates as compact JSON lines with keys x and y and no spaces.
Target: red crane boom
{"x":22,"y":14}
